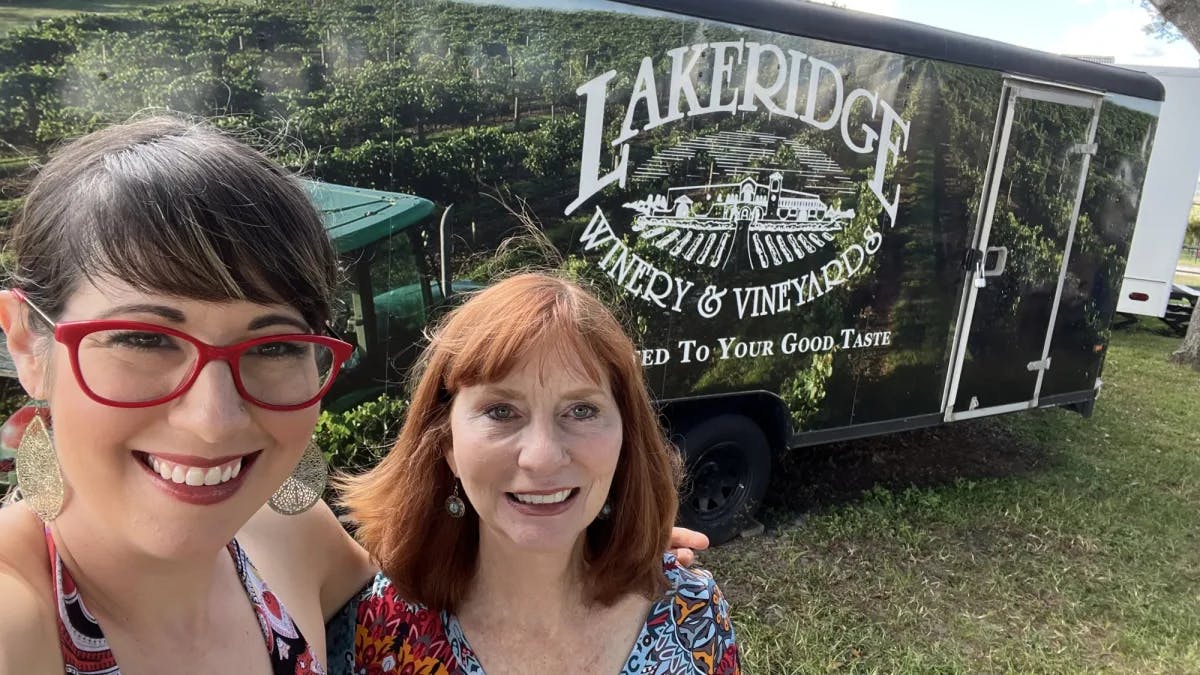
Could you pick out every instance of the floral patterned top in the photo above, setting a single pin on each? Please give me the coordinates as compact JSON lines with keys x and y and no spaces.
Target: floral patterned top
{"x":85,"y":651}
{"x":687,"y":632}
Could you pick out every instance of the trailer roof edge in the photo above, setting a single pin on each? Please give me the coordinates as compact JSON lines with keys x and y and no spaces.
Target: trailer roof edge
{"x":823,"y":22}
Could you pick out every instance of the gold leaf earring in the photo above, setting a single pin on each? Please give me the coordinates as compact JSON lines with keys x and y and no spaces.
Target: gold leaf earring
{"x":305,"y":486}
{"x":38,"y":475}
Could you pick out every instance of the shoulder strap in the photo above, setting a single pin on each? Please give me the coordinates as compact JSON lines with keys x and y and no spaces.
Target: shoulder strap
{"x":84,"y":648}
{"x":289,"y":651}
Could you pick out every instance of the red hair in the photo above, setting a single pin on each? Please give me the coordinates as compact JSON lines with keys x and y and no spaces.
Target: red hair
{"x":399,"y":506}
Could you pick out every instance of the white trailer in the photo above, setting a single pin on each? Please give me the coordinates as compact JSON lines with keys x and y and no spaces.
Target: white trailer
{"x":1166,"y":199}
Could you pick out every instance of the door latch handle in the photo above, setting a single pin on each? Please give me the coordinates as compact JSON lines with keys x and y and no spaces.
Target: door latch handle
{"x":1034,"y":366}
{"x":1001,"y":261}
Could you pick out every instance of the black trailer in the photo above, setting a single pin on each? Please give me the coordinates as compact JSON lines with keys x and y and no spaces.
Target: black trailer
{"x":820,"y":224}
{"x":827,"y":225}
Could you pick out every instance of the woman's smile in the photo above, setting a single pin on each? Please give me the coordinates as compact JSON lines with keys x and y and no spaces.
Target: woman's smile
{"x":196,"y":480}
{"x":543,"y":503}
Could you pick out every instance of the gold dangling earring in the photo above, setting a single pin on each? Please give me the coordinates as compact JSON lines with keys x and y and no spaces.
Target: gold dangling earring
{"x":38,"y":475}
{"x":305,"y":486}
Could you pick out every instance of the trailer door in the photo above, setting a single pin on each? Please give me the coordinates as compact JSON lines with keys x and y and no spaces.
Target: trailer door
{"x":1041,"y":148}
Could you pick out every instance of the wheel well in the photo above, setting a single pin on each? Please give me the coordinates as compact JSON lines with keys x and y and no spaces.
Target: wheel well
{"x":766,"y":410}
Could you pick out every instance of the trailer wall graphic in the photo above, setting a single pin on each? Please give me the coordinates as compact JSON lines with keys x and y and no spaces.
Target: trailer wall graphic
{"x":817,"y":224}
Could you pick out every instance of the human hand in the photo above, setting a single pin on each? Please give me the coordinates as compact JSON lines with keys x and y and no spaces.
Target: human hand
{"x":685,"y":543}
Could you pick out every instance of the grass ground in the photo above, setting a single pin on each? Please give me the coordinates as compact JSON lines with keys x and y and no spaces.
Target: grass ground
{"x":1038,"y":542}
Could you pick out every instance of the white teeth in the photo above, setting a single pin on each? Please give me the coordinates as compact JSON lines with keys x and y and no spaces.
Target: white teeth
{"x":193,"y":475}
{"x":553,"y":498}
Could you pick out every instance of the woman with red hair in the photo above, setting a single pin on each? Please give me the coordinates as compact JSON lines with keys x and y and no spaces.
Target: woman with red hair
{"x":521,"y":517}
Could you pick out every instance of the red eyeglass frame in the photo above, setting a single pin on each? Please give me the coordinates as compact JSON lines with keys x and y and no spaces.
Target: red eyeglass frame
{"x":71,"y":333}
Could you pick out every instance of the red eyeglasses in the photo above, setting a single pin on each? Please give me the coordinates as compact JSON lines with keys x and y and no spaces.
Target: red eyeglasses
{"x":130,"y":364}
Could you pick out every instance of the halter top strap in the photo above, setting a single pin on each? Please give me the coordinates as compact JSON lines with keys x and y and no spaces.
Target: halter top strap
{"x":85,"y":650}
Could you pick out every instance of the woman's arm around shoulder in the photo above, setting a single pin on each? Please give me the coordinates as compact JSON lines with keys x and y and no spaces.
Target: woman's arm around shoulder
{"x":701,"y":613}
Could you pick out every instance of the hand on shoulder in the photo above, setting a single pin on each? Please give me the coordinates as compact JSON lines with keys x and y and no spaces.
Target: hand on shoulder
{"x":685,"y":543}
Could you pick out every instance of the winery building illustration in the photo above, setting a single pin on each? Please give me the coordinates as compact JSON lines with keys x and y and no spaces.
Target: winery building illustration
{"x":709,"y":224}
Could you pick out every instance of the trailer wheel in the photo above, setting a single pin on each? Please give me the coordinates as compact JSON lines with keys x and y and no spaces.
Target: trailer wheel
{"x":728,"y":464}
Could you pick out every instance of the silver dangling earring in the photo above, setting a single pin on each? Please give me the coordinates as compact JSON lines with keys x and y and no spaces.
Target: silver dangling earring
{"x":455,"y":506}
{"x":305,"y":486}
{"x":605,"y":511}
{"x":38,"y":475}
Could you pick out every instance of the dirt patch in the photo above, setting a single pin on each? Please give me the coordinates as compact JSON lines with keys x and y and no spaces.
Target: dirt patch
{"x":810,"y":478}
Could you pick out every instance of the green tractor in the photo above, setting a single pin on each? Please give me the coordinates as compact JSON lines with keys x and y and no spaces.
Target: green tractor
{"x":392,"y":252}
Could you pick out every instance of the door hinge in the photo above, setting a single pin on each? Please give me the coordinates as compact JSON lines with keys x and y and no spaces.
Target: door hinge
{"x":1034,"y":366}
{"x":971,"y":259}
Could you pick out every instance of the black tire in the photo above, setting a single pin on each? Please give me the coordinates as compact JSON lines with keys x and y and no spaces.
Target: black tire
{"x":728,"y":465}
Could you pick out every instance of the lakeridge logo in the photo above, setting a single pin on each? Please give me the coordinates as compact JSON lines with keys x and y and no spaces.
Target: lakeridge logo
{"x":749,"y":214}
{"x":773,"y":225}
{"x":761,"y":224}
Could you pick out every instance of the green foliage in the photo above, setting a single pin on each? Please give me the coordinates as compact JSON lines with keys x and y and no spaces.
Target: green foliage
{"x":20,"y":17}
{"x":358,"y":438}
{"x":457,"y":101}
{"x":804,"y":391}
{"x":12,"y":397}
{"x":552,"y":147}
{"x":1193,"y":226}
{"x":8,"y":209}
{"x":1166,"y":28}
{"x":1084,"y":562}
{"x":417,"y":96}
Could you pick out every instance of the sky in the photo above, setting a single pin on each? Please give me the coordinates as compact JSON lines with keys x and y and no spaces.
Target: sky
{"x":1076,"y":27}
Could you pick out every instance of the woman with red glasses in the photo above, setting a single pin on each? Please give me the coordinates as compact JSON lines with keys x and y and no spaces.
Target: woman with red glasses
{"x":169,"y":292}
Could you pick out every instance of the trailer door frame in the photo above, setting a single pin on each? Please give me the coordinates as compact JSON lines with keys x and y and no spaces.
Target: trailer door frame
{"x":988,"y":262}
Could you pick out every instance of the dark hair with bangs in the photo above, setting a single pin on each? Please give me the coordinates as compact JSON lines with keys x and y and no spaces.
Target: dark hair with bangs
{"x":398,"y":506}
{"x":174,"y":207}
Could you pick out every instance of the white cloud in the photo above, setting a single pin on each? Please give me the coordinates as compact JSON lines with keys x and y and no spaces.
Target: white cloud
{"x":1118,"y":32}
